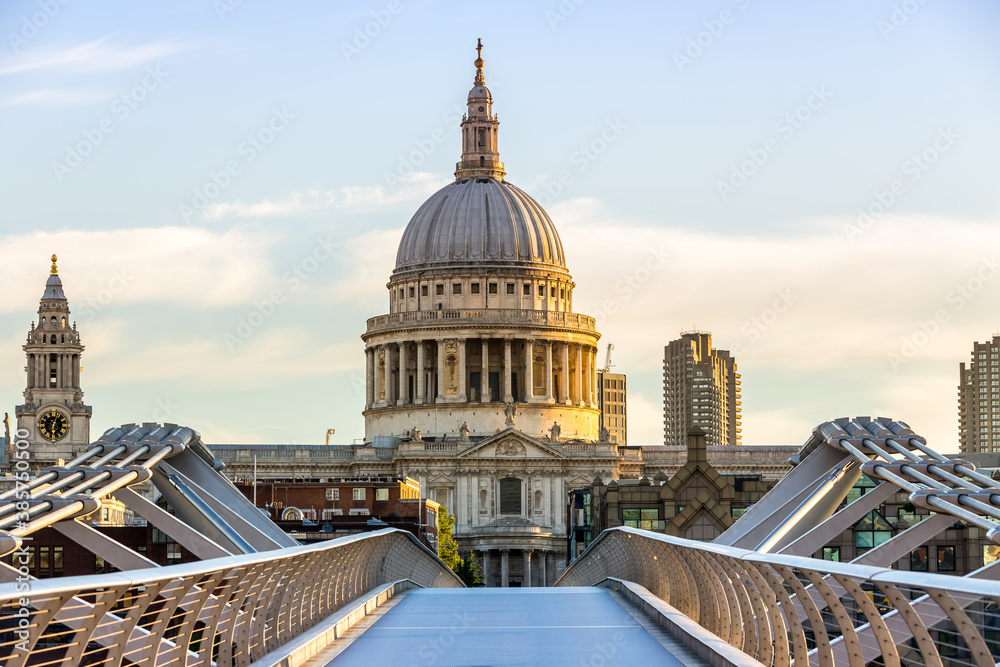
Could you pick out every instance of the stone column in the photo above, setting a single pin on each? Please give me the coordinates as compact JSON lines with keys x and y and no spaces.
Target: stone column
{"x":484,"y":379}
{"x":564,"y":393}
{"x":529,"y":378}
{"x":76,"y":372}
{"x":550,"y":560}
{"x":527,"y":569}
{"x":504,"y":567}
{"x":549,"y":371}
{"x":420,"y":372}
{"x":440,"y":371}
{"x":543,"y":578}
{"x":369,"y":378}
{"x":593,"y":377}
{"x":486,"y":567}
{"x":579,"y":375}
{"x":507,"y":397}
{"x":403,"y":397}
{"x":463,"y":372}
{"x":388,"y":373}
{"x":59,"y":370}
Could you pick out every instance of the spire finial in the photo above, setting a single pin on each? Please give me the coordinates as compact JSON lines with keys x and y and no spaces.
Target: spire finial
{"x":54,"y":271}
{"x":480,"y":79}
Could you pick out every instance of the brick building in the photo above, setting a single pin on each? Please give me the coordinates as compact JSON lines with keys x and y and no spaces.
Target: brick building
{"x":328,"y":509}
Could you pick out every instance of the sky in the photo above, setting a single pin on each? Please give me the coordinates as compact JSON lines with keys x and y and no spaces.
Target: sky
{"x":226,"y":181}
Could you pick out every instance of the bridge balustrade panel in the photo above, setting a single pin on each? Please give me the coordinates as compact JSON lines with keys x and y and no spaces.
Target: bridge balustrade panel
{"x":784,"y":610}
{"x":227,"y":611}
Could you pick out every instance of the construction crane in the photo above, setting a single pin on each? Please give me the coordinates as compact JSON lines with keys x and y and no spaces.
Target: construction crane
{"x":607,"y":360}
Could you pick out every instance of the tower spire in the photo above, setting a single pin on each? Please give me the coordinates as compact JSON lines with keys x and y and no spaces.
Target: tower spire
{"x":54,"y":271}
{"x":480,"y":78}
{"x":480,"y":152}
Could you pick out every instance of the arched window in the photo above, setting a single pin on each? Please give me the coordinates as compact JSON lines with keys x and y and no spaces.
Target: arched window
{"x":53,"y":319}
{"x":482,"y":499}
{"x":510,"y":496}
{"x":53,"y":339}
{"x":291,"y":514}
{"x":538,"y":500}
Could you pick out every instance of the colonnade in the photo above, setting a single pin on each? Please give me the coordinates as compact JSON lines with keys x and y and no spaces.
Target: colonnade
{"x":66,"y":366}
{"x":481,"y":370}
{"x":539,"y":561}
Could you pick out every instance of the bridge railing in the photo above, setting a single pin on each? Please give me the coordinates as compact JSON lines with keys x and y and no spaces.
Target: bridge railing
{"x":225,"y":611}
{"x":781,"y":609}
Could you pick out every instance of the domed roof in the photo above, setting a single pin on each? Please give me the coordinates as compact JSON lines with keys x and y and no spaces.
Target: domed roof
{"x":480,"y":220}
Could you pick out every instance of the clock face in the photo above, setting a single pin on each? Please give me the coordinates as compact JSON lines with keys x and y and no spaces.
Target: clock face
{"x":53,"y":425}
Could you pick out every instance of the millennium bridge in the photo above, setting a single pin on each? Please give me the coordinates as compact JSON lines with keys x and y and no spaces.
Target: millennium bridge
{"x":753,"y":596}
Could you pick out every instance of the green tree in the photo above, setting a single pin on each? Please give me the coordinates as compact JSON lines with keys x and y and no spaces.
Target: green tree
{"x":447,"y":546}
{"x":469,"y":570}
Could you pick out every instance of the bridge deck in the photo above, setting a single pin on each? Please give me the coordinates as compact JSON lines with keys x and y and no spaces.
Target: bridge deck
{"x":506,"y":626}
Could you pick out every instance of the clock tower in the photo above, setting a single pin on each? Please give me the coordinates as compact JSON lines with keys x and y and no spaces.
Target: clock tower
{"x":53,"y":413}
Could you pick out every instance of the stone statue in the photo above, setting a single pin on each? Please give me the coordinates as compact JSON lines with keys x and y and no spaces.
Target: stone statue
{"x":416,"y":435}
{"x":554,"y":432}
{"x":464,"y":431}
{"x":604,"y":435}
{"x":509,"y":411}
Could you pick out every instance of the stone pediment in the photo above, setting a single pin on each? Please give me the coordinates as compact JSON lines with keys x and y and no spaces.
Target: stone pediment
{"x":441,"y":478}
{"x":511,"y":444}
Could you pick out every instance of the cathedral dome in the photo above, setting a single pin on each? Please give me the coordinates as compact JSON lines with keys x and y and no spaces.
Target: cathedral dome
{"x":480,"y":220}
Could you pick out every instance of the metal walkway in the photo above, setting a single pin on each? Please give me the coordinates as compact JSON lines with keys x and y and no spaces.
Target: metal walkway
{"x":506,"y":626}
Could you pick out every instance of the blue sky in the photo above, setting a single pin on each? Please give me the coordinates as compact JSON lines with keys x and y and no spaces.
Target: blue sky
{"x":741,"y":141}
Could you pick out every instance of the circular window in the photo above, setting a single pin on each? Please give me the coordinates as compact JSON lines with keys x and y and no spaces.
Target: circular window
{"x":482,"y":108}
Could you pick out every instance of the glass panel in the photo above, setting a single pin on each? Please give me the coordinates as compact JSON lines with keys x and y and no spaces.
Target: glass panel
{"x":946,"y":558}
{"x":831,"y":553}
{"x":918,"y":559}
{"x":991,"y":553}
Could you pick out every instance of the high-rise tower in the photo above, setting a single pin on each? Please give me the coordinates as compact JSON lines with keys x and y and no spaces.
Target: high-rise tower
{"x":979,"y":399}
{"x":700,"y":388}
{"x":53,"y":413}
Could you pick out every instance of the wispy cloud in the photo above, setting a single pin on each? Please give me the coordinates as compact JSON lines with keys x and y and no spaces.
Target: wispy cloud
{"x":55,"y":97}
{"x":412,"y":188}
{"x":100,"y":55}
{"x":176,"y":265}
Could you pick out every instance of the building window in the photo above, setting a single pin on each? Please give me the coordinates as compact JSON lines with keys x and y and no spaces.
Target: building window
{"x":493,"y":288}
{"x":946,"y":559}
{"x":871,"y":531}
{"x":359,"y":494}
{"x":474,"y":288}
{"x":991,"y":553}
{"x":647,"y":519}
{"x":562,"y":293}
{"x":413,"y":292}
{"x":173,"y":553}
{"x":510,"y":288}
{"x":439,"y":290}
{"x":510,"y":496}
{"x":831,"y":553}
{"x":333,"y":494}
{"x":423,"y":290}
{"x":552,"y":292}
{"x":456,"y":288}
{"x":918,"y":559}
{"x":382,"y":494}
{"x":541,"y":291}
{"x":527,"y":289}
